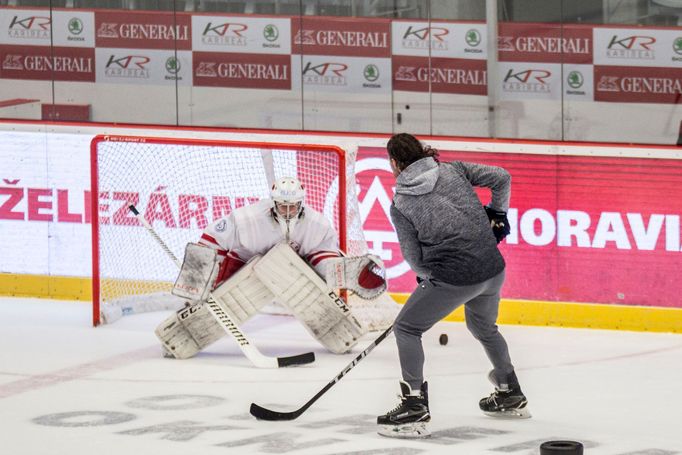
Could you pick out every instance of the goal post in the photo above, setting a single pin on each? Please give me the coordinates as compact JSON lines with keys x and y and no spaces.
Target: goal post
{"x":182,"y":185}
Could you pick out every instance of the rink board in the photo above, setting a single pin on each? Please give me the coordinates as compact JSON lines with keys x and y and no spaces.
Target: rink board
{"x":619,"y":268}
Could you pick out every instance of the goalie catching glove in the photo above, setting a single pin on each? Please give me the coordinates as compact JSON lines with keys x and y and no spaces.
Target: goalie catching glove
{"x":364,"y":275}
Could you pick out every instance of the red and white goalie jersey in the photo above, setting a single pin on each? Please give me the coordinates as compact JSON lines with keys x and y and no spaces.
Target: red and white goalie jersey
{"x":254,"y":229}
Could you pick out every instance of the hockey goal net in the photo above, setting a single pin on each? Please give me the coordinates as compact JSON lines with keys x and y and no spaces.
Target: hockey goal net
{"x":182,"y":185}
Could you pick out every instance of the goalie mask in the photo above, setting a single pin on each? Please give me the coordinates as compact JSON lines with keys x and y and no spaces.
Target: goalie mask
{"x":287,"y":196}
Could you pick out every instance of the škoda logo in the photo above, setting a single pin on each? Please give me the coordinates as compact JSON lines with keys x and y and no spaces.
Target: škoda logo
{"x":75,"y":26}
{"x":575,"y":79}
{"x":371,"y":73}
{"x":473,"y":37}
{"x":270,"y":33}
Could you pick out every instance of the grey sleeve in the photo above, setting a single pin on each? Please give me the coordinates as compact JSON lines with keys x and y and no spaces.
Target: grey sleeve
{"x":409,"y":243}
{"x":493,"y":177}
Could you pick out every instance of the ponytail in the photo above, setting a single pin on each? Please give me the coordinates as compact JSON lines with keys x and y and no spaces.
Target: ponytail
{"x":405,"y":149}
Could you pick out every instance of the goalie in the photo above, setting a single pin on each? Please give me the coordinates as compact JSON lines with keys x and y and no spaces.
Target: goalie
{"x":273,"y":250}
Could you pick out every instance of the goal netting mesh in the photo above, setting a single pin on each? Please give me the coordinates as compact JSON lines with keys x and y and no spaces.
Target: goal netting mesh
{"x":182,"y":185}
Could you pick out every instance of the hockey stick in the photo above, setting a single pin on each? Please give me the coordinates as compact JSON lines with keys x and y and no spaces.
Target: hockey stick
{"x":262,"y":413}
{"x":249,"y":350}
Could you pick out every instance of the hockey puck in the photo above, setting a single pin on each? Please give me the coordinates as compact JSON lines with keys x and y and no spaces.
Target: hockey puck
{"x":561,"y":448}
{"x":443,"y":339}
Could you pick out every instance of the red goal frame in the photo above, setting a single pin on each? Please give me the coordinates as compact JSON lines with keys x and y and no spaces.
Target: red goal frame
{"x":95,"y":200}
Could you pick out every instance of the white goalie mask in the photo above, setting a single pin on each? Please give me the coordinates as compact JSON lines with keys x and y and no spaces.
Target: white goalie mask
{"x":287,"y":196}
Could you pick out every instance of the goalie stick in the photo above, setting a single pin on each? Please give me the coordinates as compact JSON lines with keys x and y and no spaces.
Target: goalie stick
{"x":249,"y":350}
{"x":262,"y":413}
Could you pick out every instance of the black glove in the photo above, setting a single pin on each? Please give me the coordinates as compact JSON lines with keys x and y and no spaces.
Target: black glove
{"x":499,"y":223}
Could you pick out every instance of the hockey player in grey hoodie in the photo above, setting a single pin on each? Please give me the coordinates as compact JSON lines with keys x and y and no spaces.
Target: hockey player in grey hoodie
{"x":450,"y":241}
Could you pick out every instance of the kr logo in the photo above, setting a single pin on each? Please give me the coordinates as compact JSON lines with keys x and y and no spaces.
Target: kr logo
{"x":129,"y":61}
{"x":631,"y":42}
{"x":528,"y":76}
{"x":437,"y":33}
{"x":323,"y":69}
{"x":223,"y":29}
{"x":31,"y":23}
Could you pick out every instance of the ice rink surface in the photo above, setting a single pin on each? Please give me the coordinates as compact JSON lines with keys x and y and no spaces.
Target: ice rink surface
{"x":68,"y":388}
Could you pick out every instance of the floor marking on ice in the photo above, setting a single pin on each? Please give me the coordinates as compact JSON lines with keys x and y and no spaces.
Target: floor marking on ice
{"x":619,"y":357}
{"x":77,"y":372}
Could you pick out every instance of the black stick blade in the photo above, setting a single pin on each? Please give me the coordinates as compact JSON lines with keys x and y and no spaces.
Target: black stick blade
{"x":301,"y":359}
{"x":262,"y":413}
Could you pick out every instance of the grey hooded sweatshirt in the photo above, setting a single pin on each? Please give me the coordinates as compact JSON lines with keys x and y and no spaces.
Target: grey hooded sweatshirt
{"x":442,"y":227}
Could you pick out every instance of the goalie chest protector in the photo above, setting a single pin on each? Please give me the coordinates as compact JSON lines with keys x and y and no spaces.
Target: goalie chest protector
{"x":257,"y":232}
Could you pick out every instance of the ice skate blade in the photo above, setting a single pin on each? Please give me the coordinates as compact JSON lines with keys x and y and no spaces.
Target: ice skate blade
{"x":416,"y":430}
{"x":522,"y":413}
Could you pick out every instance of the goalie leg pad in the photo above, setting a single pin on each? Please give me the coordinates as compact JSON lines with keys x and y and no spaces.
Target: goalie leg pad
{"x":243,"y":294}
{"x":186,"y":332}
{"x":295,"y":285}
{"x":343,"y":335}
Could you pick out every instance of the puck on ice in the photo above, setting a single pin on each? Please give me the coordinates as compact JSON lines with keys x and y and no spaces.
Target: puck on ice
{"x":443,"y":340}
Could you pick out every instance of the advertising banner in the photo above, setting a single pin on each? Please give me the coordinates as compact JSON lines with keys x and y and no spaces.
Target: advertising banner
{"x":583,"y":229}
{"x":25,"y":27}
{"x":440,"y":75}
{"x":339,"y":74}
{"x":75,"y":28}
{"x":33,"y":28}
{"x":523,"y":81}
{"x":537,"y":61}
{"x":143,"y":66}
{"x":636,"y":84}
{"x":638,"y":47}
{"x":342,"y":36}
{"x":241,"y":34}
{"x":546,"y":43}
{"x":578,"y":82}
{"x":255,"y":71}
{"x":439,"y":39}
{"x":45,"y":63}
{"x":45,"y":204}
{"x":143,"y":29}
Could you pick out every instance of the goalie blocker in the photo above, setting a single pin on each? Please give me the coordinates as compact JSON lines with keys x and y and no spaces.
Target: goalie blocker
{"x":279,"y":275}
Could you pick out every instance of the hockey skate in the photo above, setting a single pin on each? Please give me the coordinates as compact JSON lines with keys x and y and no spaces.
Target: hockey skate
{"x":507,"y":401}
{"x":408,"y":419}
